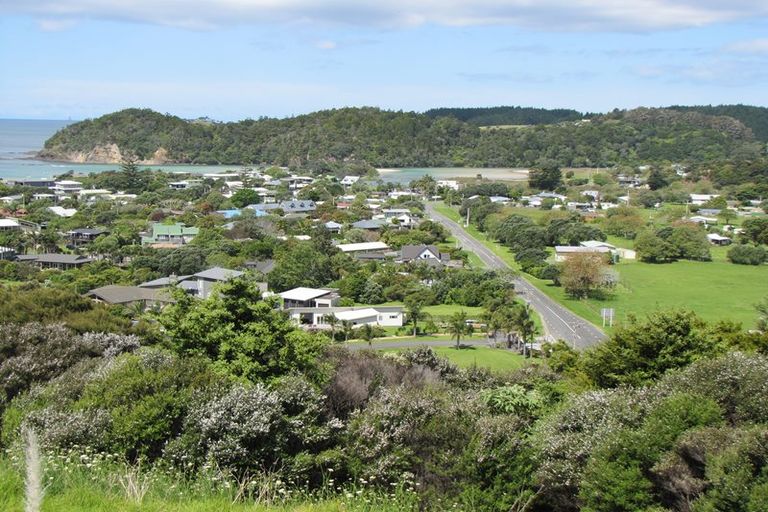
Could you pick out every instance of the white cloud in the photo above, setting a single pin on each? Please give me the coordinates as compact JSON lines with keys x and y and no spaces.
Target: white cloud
{"x":754,"y":47}
{"x":48,"y":25}
{"x":326,"y":45}
{"x":590,"y":15}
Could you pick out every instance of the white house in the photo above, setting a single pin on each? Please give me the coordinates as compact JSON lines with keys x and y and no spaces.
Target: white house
{"x":716,"y":239}
{"x":67,"y":187}
{"x":350,"y":180}
{"x":319,"y":317}
{"x":700,"y":199}
{"x":500,"y":199}
{"x":9,"y":225}
{"x":451,"y":184}
{"x":627,"y":254}
{"x":309,"y":298}
{"x":363,"y":247}
{"x":62,"y":212}
{"x":698,"y":219}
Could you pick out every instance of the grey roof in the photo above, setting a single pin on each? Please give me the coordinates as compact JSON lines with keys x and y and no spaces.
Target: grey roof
{"x":163,"y":281}
{"x":218,"y":274}
{"x":70,"y":259}
{"x":410,"y":252}
{"x":265,"y":266}
{"x":298,"y":206}
{"x":264,"y":206}
{"x":332,"y":225}
{"x":369,"y":224}
{"x":114,"y":294}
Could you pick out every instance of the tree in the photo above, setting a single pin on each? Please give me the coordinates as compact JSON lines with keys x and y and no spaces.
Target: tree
{"x":657,"y":179}
{"x":548,"y":177}
{"x":639,"y":352}
{"x":523,"y":321}
{"x":414,"y":308}
{"x":748,"y":254}
{"x":131,"y":178}
{"x":458,"y":327}
{"x":583,"y":274}
{"x":367,"y":332}
{"x":242,"y":334}
{"x":762,"y":310}
{"x":347,"y":328}
{"x":245,"y":197}
{"x":756,"y":230}
{"x":333,"y":322}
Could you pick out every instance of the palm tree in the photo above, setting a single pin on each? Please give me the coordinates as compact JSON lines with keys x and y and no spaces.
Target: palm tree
{"x":457,"y":326}
{"x":332,"y":321}
{"x":347,"y":327}
{"x":524,"y":323}
{"x":415,"y":312}
{"x":368,"y":333}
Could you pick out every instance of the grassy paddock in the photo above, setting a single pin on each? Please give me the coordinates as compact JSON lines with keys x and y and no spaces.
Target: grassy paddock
{"x":715,"y":290}
{"x":498,"y":360}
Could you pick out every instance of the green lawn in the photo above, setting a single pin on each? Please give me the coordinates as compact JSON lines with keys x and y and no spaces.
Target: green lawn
{"x":715,"y":290}
{"x":494,"y":359}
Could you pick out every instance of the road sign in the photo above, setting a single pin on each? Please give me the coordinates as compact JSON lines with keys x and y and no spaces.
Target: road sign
{"x":607,"y":314}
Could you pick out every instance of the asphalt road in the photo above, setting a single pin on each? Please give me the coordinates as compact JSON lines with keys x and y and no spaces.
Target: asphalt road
{"x":559,"y":322}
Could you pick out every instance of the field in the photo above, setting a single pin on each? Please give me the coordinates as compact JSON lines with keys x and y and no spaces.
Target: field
{"x":716,"y":290}
{"x":495,"y":359}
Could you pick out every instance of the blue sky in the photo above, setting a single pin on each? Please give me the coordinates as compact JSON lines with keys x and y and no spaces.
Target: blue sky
{"x":233,"y":59}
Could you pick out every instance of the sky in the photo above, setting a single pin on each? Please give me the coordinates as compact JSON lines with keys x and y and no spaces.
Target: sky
{"x":237,"y":59}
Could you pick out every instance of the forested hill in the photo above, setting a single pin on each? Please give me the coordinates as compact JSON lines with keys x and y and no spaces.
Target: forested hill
{"x":499,"y":116}
{"x":404,"y":139}
{"x":756,"y":118}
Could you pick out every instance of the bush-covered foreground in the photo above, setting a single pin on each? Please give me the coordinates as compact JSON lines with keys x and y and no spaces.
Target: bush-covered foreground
{"x":234,"y":408}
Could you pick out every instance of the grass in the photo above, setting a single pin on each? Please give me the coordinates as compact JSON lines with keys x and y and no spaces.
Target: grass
{"x":494,"y":359}
{"x":715,"y":290}
{"x":79,"y":489}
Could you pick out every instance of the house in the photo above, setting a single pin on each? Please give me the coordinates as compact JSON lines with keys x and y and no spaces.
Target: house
{"x":716,"y":239}
{"x":264,"y":266}
{"x":370,"y":225}
{"x":500,"y":199}
{"x":85,"y":235}
{"x":67,"y":187}
{"x":365,"y":247}
{"x":62,"y":212}
{"x":397,"y":194}
{"x":424,"y":253}
{"x":122,"y":197}
{"x":627,"y":254}
{"x":7,"y":253}
{"x":169,"y":235}
{"x":333,"y":227}
{"x":297,"y":182}
{"x":57,"y":261}
{"x":298,"y":206}
{"x":350,"y":180}
{"x":92,"y":194}
{"x":406,"y":220}
{"x":199,"y":285}
{"x":12,"y":199}
{"x":41,"y":183}
{"x":698,"y":219}
{"x":629,"y":181}
{"x":43,"y":197}
{"x":711,"y":212}
{"x":9,"y":225}
{"x":562,"y":252}
{"x":309,"y":298}
{"x":318,"y":318}
{"x":391,"y":213}
{"x":594,"y":194}
{"x":449,"y":184}
{"x":184,"y":184}
{"x":129,"y":295}
{"x":229,"y":214}
{"x":700,"y":199}
{"x":552,"y":195}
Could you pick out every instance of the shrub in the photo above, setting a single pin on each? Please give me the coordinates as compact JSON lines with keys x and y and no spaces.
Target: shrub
{"x":748,"y":255}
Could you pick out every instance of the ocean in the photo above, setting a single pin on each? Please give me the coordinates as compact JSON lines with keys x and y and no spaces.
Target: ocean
{"x":21,"y":139}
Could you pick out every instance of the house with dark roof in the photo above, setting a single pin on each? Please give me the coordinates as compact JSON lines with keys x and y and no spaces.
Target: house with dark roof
{"x":264,"y":266}
{"x":298,"y":206}
{"x":428,"y":254}
{"x":201,"y":284}
{"x":370,"y":225}
{"x":84,"y":236}
{"x":57,"y":261}
{"x":129,"y":295}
